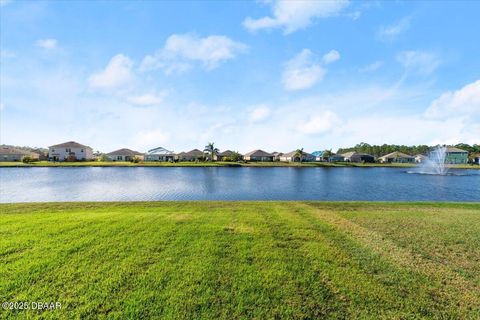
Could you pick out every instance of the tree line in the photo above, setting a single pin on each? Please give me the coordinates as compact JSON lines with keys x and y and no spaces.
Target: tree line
{"x":381,"y":150}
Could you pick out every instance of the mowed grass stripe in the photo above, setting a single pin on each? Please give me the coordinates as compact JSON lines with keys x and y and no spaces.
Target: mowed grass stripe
{"x":445,"y":287}
{"x":230,"y":260}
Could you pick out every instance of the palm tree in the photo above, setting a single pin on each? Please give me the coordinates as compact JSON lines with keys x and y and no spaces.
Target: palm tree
{"x":298,"y":154}
{"x":327,"y":154}
{"x":210,"y":148}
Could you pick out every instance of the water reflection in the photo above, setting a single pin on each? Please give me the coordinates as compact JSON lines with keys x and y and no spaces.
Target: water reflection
{"x":142,"y":183}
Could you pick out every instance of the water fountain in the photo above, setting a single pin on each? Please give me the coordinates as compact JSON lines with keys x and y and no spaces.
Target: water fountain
{"x":435,"y":163}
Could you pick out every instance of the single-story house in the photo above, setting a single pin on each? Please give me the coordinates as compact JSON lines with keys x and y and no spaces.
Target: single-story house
{"x":258,"y":155}
{"x":320,"y":156}
{"x":456,"y":156}
{"x":69,"y":151}
{"x":419,"y":158}
{"x":292,"y":157}
{"x":191,"y":155}
{"x":358,"y":157}
{"x":227,"y":154}
{"x":277,"y":155}
{"x":336,"y":158}
{"x":159,"y":154}
{"x":398,"y":157}
{"x":8,"y":153}
{"x":124,"y":155}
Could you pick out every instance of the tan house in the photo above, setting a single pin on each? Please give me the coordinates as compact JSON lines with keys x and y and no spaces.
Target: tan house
{"x":292,"y":157}
{"x":258,"y":155}
{"x":70,"y":151}
{"x":397,"y":157}
{"x":277,"y":155}
{"x":191,"y":155}
{"x":8,"y":153}
{"x":124,"y":155}
{"x":419,"y":158}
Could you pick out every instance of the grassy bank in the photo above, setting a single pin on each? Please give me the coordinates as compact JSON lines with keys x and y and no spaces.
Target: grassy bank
{"x":230,"y":260}
{"x":216,"y":164}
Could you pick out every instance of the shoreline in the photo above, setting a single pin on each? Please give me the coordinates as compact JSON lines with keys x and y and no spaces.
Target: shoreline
{"x":122,"y":164}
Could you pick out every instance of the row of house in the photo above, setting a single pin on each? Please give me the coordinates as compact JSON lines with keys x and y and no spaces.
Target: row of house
{"x":74,"y":151}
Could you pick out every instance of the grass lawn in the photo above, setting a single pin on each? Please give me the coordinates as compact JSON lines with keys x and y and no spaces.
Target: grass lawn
{"x":215,"y":164}
{"x":231,"y":260}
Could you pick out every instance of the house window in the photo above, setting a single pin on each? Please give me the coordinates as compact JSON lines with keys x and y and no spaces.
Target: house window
{"x":119,"y":157}
{"x":68,"y":150}
{"x":53,"y":150}
{"x":81,"y":150}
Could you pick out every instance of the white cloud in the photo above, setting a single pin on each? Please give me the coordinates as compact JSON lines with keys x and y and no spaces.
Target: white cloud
{"x":392,"y":31}
{"x":295,"y":15}
{"x":331,"y":56}
{"x":465,"y":101}
{"x":321,"y":123}
{"x":371,"y":67}
{"x":302,"y":72}
{"x":181,"y":50}
{"x":47,"y":43}
{"x":259,"y":113}
{"x":148,"y":99}
{"x":117,"y":73}
{"x":423,"y":63}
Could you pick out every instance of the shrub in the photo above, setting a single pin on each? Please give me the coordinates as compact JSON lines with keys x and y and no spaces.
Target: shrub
{"x":27,"y":159}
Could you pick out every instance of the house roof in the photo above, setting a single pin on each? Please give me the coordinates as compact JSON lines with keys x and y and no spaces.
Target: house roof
{"x":69,"y":144}
{"x":9,"y":150}
{"x":194,"y":153}
{"x":348,"y":154}
{"x":277,"y":154}
{"x":258,"y":153}
{"x":353,"y":153}
{"x":124,"y":152}
{"x":292,"y":154}
{"x":226,"y":153}
{"x":396,"y":154}
{"x":455,"y":149}
{"x":318,"y":153}
{"x":422,"y":156}
{"x":159,"y":151}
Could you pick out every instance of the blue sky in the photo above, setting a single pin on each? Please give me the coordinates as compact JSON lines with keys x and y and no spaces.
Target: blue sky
{"x":273,"y":75}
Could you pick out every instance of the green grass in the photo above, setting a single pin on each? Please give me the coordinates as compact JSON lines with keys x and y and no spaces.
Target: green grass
{"x":242,"y":260}
{"x":216,"y":164}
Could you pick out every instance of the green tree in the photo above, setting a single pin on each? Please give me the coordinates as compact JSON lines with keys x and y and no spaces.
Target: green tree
{"x":298,"y":155}
{"x":236,"y":156}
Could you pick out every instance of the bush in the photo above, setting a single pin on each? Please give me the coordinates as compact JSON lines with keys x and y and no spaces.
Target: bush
{"x":103,"y":158}
{"x":27,"y":159}
{"x":136,"y":160}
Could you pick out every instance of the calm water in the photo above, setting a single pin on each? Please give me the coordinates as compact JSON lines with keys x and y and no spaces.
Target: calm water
{"x":122,"y":184}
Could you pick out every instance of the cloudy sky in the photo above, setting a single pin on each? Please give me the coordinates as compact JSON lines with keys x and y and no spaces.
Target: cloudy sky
{"x":273,"y":75}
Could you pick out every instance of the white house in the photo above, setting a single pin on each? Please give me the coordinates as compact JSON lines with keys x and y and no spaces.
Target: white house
{"x":70,"y":151}
{"x":159,"y":154}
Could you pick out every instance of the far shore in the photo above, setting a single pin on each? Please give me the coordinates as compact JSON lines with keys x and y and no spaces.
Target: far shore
{"x":220,"y":164}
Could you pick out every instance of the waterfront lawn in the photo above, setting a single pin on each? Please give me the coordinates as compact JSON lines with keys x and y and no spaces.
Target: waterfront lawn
{"x":250,"y":260}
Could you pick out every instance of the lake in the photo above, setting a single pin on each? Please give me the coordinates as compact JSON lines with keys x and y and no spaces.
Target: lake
{"x":244,"y":183}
